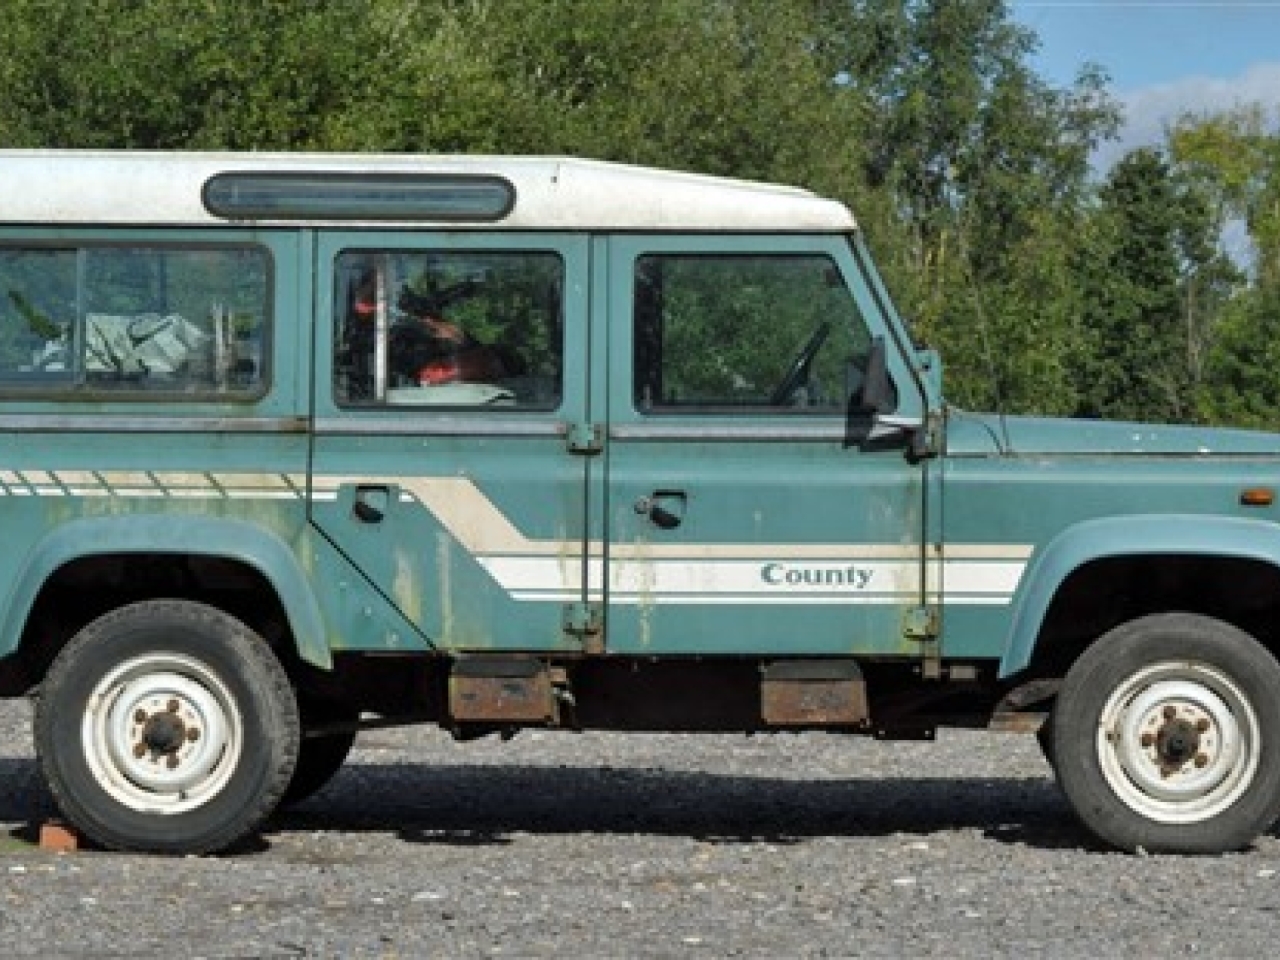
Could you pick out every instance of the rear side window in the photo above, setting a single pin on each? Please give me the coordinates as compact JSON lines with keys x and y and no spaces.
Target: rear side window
{"x":134,"y":320}
{"x":451,"y":328}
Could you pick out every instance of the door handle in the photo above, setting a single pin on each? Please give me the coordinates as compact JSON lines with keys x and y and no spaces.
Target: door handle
{"x":371,"y":501}
{"x":664,"y":508}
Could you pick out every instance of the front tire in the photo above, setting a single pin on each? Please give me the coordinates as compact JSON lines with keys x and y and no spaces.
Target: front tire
{"x":166,"y":726}
{"x":1166,"y":736}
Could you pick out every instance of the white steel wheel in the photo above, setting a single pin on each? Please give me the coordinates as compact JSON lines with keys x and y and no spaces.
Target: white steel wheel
{"x":1166,"y":736}
{"x":166,"y":726}
{"x":1178,"y":742}
{"x":162,"y":733}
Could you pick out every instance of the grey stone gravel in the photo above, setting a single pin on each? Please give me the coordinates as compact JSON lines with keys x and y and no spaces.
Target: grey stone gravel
{"x":642,"y":846}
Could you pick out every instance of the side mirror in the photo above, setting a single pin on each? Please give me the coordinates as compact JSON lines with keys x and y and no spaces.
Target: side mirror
{"x":876,"y":393}
{"x":871,"y":396}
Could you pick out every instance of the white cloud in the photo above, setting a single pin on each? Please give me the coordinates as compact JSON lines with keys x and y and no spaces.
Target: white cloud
{"x":1149,"y":110}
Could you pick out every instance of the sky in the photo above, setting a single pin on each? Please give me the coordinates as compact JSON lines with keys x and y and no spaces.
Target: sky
{"x":1164,"y":57}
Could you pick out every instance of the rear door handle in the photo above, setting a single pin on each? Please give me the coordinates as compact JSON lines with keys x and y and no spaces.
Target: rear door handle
{"x":664,"y":508}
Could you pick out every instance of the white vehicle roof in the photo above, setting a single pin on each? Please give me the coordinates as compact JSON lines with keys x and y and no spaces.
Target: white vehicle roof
{"x":63,"y":187}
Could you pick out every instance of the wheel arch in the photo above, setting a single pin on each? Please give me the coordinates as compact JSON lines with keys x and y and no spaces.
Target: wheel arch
{"x":1101,"y":551}
{"x":236,"y":541}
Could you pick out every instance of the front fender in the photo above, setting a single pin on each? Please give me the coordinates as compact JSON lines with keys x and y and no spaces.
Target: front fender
{"x":1168,"y":534}
{"x":229,"y":539}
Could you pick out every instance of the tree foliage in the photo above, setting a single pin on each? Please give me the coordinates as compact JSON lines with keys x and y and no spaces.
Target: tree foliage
{"x":1233,"y":162}
{"x":1045,"y":289}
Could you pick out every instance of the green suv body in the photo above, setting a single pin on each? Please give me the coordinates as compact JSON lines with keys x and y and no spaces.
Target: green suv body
{"x":292,"y":444}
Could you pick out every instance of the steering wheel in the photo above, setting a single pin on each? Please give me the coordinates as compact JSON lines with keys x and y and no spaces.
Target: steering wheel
{"x":799,"y":369}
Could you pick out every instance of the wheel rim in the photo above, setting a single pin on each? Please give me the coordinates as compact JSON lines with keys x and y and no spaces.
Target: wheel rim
{"x":161,"y":733}
{"x":1178,"y":742}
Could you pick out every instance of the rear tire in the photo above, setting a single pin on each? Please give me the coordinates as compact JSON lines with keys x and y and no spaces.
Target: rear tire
{"x":1166,"y":736}
{"x":166,"y":726}
{"x":319,"y":758}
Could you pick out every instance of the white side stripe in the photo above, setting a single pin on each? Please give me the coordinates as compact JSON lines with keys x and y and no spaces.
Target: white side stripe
{"x":758,"y":581}
{"x":554,"y":569}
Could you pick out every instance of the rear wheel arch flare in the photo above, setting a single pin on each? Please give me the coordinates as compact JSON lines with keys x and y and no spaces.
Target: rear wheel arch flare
{"x":235,"y":541}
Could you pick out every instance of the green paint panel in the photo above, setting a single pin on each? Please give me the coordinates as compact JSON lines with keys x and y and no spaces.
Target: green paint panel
{"x":645,"y":433}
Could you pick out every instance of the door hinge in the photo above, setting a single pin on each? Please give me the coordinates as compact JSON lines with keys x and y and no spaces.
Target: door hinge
{"x":921,"y":623}
{"x":584,"y":438}
{"x":584,"y":621}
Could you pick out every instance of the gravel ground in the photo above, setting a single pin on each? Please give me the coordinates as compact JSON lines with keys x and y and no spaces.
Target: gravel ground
{"x":641,"y":846}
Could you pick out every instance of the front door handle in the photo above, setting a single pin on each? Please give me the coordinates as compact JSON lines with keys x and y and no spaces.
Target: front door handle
{"x":371,"y":501}
{"x":664,"y":508}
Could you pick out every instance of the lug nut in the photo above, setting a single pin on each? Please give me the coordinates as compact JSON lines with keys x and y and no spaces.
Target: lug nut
{"x":193,"y":734}
{"x":1202,"y":725}
{"x":139,"y":716}
{"x":1148,"y":739}
{"x":172,"y":761}
{"x":173,"y":706}
{"x":139,"y":751}
{"x":1202,"y":760}
{"x":1170,"y":712}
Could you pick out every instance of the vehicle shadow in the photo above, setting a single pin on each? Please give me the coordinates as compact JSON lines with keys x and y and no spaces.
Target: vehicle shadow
{"x":25,"y":803}
{"x":483,"y":805}
{"x":461,"y":805}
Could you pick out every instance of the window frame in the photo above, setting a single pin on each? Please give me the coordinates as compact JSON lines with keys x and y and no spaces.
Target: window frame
{"x":746,"y":409}
{"x":427,"y":249}
{"x":77,"y":388}
{"x":617,"y":256}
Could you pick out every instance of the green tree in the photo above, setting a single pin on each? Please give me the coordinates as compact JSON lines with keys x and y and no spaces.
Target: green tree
{"x":985,"y":167}
{"x":1154,"y":282}
{"x":710,"y":85}
{"x":1242,"y":386}
{"x":165,"y":74}
{"x":1233,"y":161}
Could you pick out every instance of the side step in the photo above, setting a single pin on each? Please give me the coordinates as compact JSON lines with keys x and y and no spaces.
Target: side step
{"x":813,"y":693}
{"x":502,"y":690}
{"x":525,"y":691}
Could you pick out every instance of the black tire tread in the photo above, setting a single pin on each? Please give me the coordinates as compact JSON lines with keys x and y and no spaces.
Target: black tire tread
{"x":319,"y":758}
{"x":265,"y":669}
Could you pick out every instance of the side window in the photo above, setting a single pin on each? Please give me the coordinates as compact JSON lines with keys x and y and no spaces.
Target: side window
{"x":134,"y":319}
{"x":473,"y":328}
{"x":744,"y":333}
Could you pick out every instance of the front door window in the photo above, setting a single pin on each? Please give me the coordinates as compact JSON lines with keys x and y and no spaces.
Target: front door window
{"x":743,"y":333}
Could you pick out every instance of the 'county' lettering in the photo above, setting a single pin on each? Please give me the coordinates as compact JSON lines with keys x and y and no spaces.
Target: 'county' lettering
{"x":784,"y":575}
